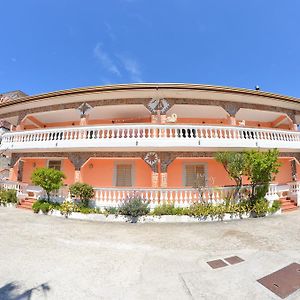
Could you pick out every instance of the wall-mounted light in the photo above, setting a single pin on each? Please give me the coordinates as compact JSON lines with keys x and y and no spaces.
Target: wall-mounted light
{"x":34,"y":164}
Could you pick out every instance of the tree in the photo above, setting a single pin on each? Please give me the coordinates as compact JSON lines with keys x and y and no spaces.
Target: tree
{"x":48,"y":179}
{"x":82,"y":191}
{"x":234,"y":164}
{"x":260,"y":167}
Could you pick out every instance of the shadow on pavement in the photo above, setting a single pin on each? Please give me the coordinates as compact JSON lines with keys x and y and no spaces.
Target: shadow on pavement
{"x":10,"y":291}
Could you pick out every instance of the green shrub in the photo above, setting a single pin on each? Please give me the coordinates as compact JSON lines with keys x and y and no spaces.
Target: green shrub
{"x":111,"y":211}
{"x":200,"y":210}
{"x":275,"y":206}
{"x":134,"y":207}
{"x":67,"y":207}
{"x":36,"y":206}
{"x":88,"y":210}
{"x":169,"y":209}
{"x":8,"y":196}
{"x":44,"y":206}
{"x":260,"y":207}
{"x":82,"y":191}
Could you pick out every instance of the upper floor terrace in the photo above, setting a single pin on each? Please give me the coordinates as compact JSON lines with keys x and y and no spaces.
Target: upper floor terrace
{"x":151,"y":116}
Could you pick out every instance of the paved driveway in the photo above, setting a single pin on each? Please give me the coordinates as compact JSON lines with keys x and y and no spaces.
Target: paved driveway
{"x":54,"y":258}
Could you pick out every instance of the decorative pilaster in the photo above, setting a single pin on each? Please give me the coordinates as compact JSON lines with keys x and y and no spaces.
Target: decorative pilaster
{"x":83,"y":109}
{"x":294,"y":169}
{"x":20,"y":121}
{"x":151,"y":159}
{"x":20,"y":170}
{"x":158,"y":108}
{"x":166,"y":158}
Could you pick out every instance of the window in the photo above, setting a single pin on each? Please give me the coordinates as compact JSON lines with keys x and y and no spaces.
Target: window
{"x":195,"y":175}
{"x":124,"y":175}
{"x":54,"y":164}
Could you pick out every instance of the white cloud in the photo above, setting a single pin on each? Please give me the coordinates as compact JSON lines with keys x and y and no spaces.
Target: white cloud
{"x":109,"y":31}
{"x":105,"y":60}
{"x":132,"y":67}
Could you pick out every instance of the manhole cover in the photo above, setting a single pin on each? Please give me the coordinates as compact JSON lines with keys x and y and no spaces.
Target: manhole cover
{"x":218,"y":263}
{"x":284,"y":281}
{"x":233,"y":260}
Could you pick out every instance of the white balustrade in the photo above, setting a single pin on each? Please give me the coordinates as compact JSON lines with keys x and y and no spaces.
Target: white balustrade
{"x":148,"y":135}
{"x":294,"y":191}
{"x":13,"y":185}
{"x":179,"y":197}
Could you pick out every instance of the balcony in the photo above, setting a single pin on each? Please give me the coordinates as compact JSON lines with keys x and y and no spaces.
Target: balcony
{"x":148,"y":137}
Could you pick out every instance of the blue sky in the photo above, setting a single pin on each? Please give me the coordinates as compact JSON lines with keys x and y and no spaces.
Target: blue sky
{"x":49,"y":45}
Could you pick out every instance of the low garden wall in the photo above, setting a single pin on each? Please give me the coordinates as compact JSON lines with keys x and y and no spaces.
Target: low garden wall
{"x":151,"y":218}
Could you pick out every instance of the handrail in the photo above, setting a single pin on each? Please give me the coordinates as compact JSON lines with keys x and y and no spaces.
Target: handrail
{"x":150,"y":131}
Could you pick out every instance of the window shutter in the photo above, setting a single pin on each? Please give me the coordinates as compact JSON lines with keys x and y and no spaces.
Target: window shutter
{"x":54,"y":164}
{"x":123,"y":175}
{"x":195,"y":174}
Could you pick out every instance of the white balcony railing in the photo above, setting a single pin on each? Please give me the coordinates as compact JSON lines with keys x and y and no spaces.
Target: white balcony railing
{"x":150,"y":137}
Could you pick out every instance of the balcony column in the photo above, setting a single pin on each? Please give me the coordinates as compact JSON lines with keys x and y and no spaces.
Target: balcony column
{"x":20,"y":170}
{"x":78,"y":160}
{"x":84,"y":120}
{"x":84,"y":108}
{"x":231,"y":120}
{"x":231,"y":109}
{"x":151,"y":159}
{"x":20,"y":122}
{"x":295,"y":127}
{"x":77,"y":177}
{"x":165,"y":160}
{"x":154,"y":178}
{"x":294,"y":169}
{"x":154,"y":118}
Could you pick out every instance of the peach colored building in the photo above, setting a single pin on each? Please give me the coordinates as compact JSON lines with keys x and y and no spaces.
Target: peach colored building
{"x":152,"y":138}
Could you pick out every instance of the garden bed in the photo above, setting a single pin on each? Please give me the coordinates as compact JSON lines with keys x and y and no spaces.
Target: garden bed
{"x":151,"y":218}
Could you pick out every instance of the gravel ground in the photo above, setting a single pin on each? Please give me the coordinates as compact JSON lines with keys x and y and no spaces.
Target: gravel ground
{"x":43,"y":257}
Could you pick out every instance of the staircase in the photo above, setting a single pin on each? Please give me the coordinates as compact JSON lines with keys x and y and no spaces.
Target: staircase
{"x":287,"y":204}
{"x":26,"y":203}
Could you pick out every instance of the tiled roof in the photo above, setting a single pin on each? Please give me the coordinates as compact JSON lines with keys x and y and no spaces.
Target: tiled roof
{"x":11,"y":96}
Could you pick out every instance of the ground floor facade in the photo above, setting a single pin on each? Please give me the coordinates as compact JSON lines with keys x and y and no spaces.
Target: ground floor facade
{"x":146,"y":170}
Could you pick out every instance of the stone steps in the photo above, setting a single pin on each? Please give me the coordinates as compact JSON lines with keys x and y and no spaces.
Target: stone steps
{"x":26,"y":203}
{"x":287,"y":205}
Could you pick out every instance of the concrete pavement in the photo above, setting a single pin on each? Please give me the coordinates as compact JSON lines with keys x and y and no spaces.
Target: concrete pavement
{"x":55,"y":258}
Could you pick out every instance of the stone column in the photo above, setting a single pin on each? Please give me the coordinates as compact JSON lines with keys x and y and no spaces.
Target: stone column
{"x":154,"y":179}
{"x":163,"y":119}
{"x":20,"y":171}
{"x":77,"y":177}
{"x":84,"y":120}
{"x":151,"y":159}
{"x":231,"y":109}
{"x":78,"y":159}
{"x":166,"y":158}
{"x":20,"y":122}
{"x":154,"y":118}
{"x":295,"y":127}
{"x":231,"y":120}
{"x":11,"y":173}
{"x":294,"y":169}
